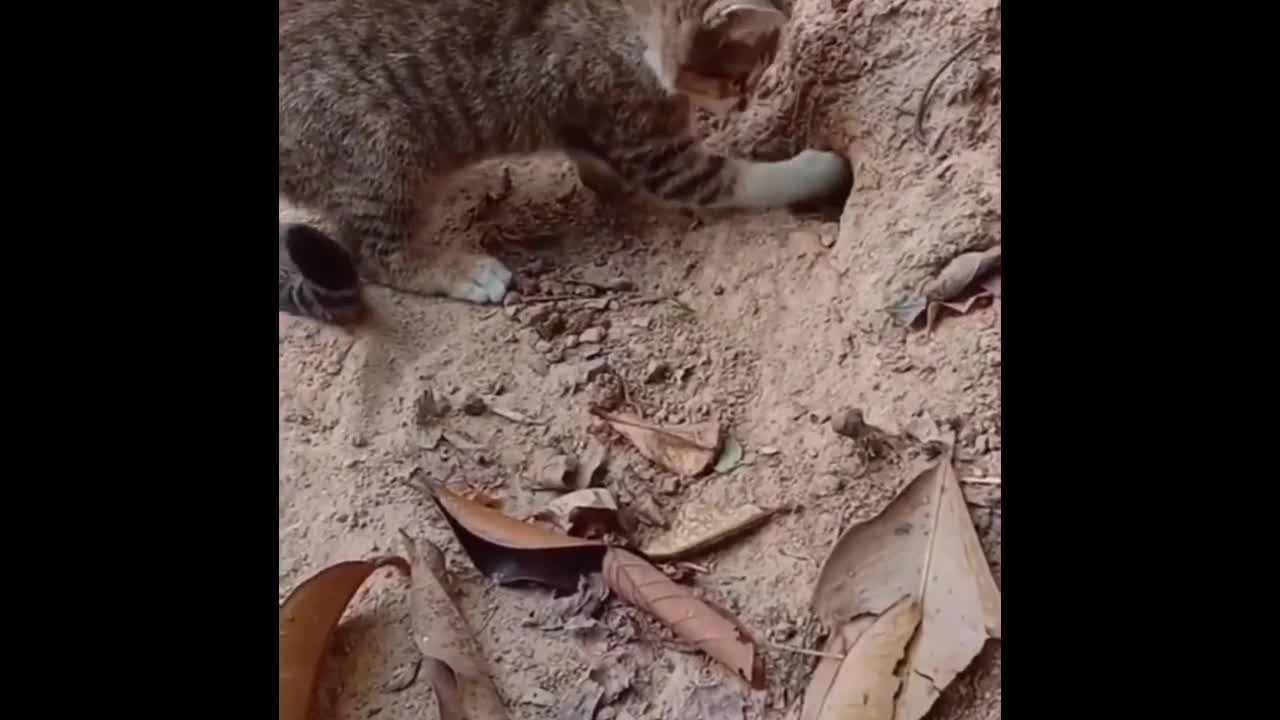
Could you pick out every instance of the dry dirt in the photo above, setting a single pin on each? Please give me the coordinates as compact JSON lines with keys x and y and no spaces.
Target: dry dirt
{"x":777,"y":322}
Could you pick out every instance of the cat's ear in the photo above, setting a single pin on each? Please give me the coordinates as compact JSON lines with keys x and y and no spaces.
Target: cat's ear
{"x":743,"y":20}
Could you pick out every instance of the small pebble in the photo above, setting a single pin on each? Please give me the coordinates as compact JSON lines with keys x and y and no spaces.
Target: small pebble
{"x":826,"y":484}
{"x":512,"y":298}
{"x":474,"y":406}
{"x":848,"y":422}
{"x":644,"y":323}
{"x":555,"y":355}
{"x":613,"y":305}
{"x":539,"y":366}
{"x":571,"y":341}
{"x":657,"y":372}
{"x":828,"y":240}
{"x":592,"y":335}
{"x":670,"y":485}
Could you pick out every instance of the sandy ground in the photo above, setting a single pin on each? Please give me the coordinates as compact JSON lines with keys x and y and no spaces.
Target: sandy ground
{"x":779,"y":323}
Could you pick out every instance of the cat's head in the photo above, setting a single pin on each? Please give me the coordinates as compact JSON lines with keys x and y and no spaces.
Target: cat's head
{"x":714,"y":51}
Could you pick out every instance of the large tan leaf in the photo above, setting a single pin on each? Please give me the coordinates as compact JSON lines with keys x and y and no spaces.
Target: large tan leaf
{"x":453,"y":660}
{"x":307,"y":620}
{"x":924,"y":545}
{"x":824,"y":675}
{"x":865,"y":685}
{"x":684,"y":449}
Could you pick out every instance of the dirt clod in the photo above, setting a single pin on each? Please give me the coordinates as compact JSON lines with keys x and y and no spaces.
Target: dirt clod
{"x":474,"y":405}
{"x":656,"y":372}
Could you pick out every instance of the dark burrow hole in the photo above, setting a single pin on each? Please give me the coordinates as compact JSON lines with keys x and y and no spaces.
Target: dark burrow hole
{"x":320,"y":259}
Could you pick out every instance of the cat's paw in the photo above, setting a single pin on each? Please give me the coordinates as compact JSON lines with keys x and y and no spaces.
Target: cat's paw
{"x":810,"y":176}
{"x":475,"y":278}
{"x":819,"y":174}
{"x":832,"y":183}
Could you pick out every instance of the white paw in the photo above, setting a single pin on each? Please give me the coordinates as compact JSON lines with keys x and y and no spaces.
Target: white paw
{"x":810,"y":175}
{"x":818,"y":173}
{"x":479,"y":279}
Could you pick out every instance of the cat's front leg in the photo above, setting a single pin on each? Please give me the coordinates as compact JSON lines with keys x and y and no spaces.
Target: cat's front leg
{"x":381,"y":231}
{"x":647,"y":142}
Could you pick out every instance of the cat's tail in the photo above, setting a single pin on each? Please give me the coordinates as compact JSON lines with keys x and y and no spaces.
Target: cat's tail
{"x":318,"y":277}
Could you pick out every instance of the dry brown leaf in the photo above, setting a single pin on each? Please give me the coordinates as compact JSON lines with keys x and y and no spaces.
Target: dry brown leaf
{"x":439,"y":628}
{"x":444,"y":682}
{"x":645,"y":587}
{"x":453,"y":659}
{"x":924,"y":545}
{"x":865,"y":685}
{"x":307,"y":620}
{"x":824,"y":675}
{"x":992,"y":285}
{"x":687,"y":450}
{"x":699,"y":526}
{"x":959,"y":308}
{"x":583,"y":513}
{"x":511,"y":551}
{"x":962,"y":272}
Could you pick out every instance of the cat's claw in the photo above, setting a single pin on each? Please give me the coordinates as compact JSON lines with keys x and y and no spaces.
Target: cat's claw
{"x":479,"y":279}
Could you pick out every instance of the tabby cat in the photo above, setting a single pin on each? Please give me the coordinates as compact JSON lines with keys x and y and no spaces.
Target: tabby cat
{"x":382,"y":99}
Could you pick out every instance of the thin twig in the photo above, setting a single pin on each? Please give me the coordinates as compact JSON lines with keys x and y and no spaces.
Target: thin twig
{"x":924,"y":99}
{"x":549,"y":298}
{"x":804,"y":651}
{"x":982,"y":481}
{"x":797,"y":556}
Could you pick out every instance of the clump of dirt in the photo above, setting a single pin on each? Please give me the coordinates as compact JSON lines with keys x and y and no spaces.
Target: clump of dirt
{"x":770,"y":323}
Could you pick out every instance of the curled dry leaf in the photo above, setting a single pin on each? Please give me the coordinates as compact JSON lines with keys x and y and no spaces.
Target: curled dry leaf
{"x":864,"y":686}
{"x":307,"y":620}
{"x":645,"y":587}
{"x":961,"y":273}
{"x":511,"y":551}
{"x":584,"y":513}
{"x":923,"y":545}
{"x":453,"y":660}
{"x":956,"y":278}
{"x":687,"y":450}
{"x":992,"y":285}
{"x":699,"y":526}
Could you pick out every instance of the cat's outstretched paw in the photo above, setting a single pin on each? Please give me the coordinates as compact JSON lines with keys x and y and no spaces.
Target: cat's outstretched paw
{"x":811,"y":175}
{"x":474,"y":278}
